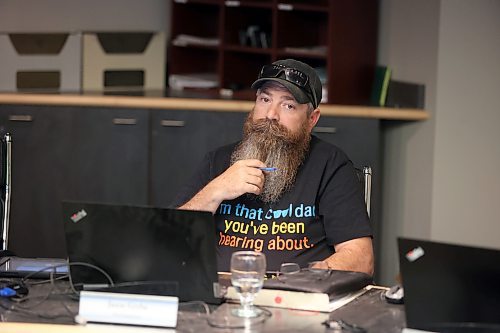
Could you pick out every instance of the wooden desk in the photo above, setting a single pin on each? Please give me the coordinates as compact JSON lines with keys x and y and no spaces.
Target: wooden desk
{"x":369,"y":311}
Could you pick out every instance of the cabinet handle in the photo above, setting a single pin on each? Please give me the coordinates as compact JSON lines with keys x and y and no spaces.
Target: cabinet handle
{"x":124,"y":121}
{"x":232,"y":3}
{"x":322,"y":129}
{"x":285,"y":6}
{"x":21,"y":117}
{"x":172,"y":123}
{"x":180,"y":1}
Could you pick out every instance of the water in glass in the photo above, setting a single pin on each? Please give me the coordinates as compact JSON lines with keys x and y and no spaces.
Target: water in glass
{"x":247,"y":276}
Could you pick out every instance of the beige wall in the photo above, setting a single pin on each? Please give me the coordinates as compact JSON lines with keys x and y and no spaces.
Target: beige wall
{"x":83,"y":15}
{"x":439,"y":175}
{"x":466,"y":183}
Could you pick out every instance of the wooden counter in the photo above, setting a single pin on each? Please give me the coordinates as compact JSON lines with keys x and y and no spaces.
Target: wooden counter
{"x":201,"y":104}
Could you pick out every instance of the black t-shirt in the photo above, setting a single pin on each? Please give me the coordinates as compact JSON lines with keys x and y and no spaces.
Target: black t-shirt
{"x":324,"y":207}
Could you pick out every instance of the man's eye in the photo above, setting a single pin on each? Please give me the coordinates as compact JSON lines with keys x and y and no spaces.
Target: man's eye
{"x":289,"y":106}
{"x":265,"y":99}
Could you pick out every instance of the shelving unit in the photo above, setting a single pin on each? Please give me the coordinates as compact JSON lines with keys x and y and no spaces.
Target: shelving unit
{"x":338,"y":37}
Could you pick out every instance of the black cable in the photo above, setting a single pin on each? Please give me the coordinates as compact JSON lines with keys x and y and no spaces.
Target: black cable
{"x":72,"y":314}
{"x":54,"y":270}
{"x":77,"y":263}
{"x":25,"y":310}
{"x":34,"y":283}
{"x":200,"y":303}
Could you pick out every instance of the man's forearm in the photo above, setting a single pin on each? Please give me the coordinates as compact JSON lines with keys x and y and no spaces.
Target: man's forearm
{"x":242,"y":177}
{"x":355,"y":255}
{"x":203,"y":200}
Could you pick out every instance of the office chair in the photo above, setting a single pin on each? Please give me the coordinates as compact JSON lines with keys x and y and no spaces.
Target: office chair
{"x":365,"y":179}
{"x":6,"y":188}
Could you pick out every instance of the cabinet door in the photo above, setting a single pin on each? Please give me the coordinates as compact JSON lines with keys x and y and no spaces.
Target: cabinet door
{"x":180,"y":139}
{"x":39,"y":158}
{"x":62,"y":153}
{"x":358,"y":138}
{"x":109,"y":156}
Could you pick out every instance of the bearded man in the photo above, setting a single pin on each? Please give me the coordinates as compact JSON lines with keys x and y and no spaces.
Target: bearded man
{"x":281,"y":190}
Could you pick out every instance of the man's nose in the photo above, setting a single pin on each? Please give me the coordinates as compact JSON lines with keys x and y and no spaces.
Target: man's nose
{"x":273,"y":113}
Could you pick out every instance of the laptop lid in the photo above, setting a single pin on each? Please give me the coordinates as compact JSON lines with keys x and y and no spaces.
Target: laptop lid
{"x":450,"y":288}
{"x":143,"y":244}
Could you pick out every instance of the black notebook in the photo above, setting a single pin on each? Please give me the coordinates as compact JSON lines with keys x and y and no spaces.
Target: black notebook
{"x":332,"y":282}
{"x":134,"y":244}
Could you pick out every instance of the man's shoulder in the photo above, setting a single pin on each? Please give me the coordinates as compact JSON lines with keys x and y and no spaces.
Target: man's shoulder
{"x":219,"y":158}
{"x":326,"y":149}
{"x":225,"y":150}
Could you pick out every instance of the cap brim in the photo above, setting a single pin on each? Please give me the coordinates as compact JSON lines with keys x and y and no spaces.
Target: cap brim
{"x":299,"y":95}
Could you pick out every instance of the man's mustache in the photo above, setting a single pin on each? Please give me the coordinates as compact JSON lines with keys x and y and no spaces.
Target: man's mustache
{"x":270,"y":128}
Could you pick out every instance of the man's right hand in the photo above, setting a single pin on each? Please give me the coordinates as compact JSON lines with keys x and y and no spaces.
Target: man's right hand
{"x":242,"y":177}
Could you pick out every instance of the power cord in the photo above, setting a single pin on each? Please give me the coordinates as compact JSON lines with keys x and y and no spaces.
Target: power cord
{"x":16,"y":300}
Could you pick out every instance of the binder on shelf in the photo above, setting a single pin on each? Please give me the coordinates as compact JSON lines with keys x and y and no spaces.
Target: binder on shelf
{"x":193,"y":80}
{"x":185,"y":40}
{"x":405,"y":95}
{"x":380,"y":86}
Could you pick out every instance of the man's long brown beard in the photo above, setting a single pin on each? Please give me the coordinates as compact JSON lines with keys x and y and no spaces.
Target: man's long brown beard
{"x":276,"y":146}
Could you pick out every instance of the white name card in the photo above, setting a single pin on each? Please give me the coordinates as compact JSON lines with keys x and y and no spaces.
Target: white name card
{"x":132,"y":309}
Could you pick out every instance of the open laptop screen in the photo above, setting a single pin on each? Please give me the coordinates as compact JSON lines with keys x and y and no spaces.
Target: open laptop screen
{"x":449,"y":287}
{"x":142,"y":244}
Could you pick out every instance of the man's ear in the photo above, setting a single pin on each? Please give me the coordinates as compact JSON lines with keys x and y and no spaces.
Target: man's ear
{"x":313,"y":118}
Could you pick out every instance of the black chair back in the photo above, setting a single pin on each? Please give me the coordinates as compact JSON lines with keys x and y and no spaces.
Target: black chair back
{"x":5,"y":187}
{"x":365,"y":179}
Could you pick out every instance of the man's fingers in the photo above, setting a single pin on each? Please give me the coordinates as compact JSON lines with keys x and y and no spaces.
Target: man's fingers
{"x":256,"y":178}
{"x":251,"y":163}
{"x":254,"y":189}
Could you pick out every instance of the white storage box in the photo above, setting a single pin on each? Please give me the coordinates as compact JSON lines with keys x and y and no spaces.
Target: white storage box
{"x":102,"y":69}
{"x":40,"y":61}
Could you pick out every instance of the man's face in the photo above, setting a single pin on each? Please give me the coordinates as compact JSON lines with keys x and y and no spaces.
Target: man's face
{"x":280,"y":105}
{"x":277,"y":132}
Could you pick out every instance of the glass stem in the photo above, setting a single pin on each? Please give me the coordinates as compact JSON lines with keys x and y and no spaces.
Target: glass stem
{"x":246,"y":301}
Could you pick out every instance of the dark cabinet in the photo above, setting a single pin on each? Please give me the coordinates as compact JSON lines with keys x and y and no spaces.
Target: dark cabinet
{"x":108,"y":155}
{"x":63,"y":153}
{"x":180,"y":140}
{"x":39,"y":158}
{"x":358,"y":138}
{"x":126,"y":156}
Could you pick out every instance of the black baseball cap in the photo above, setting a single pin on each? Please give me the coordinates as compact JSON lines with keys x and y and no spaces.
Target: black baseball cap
{"x":299,"y":78}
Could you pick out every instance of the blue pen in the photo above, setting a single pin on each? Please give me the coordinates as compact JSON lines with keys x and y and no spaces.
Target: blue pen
{"x":268,"y":169}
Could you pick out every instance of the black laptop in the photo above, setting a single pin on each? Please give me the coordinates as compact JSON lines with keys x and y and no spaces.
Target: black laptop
{"x":142,"y":244}
{"x":450,"y":288}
